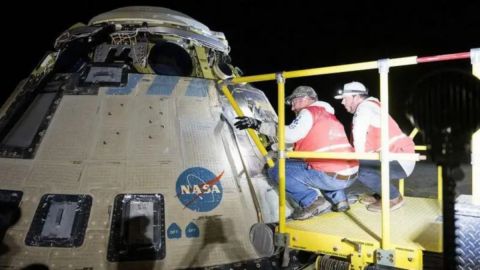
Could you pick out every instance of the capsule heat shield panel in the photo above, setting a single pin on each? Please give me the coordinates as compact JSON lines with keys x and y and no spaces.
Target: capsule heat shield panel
{"x":60,"y":221}
{"x":137,"y":232}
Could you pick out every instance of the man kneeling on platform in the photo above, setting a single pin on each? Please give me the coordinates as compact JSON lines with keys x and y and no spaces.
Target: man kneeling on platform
{"x":366,"y":131}
{"x":316,"y":129}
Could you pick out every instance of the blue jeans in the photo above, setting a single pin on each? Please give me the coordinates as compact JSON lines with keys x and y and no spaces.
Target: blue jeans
{"x":303,"y":184}
{"x":369,"y":175}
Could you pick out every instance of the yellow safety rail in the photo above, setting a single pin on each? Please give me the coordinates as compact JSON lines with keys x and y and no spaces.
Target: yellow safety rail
{"x":281,"y":150}
{"x":440,"y":186}
{"x":384,"y":156}
{"x":383,"y":68}
{"x":326,"y":70}
{"x":250,"y":131}
{"x":412,"y":135}
{"x":347,"y":155}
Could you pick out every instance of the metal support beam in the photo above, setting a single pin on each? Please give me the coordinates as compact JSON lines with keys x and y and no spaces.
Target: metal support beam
{"x":383,"y":68}
{"x":250,"y":131}
{"x":281,"y":150}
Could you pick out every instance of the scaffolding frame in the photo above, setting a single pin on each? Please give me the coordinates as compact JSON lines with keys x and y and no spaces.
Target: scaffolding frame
{"x":383,"y":66}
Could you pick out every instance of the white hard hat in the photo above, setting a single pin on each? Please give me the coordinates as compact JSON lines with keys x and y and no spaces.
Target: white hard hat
{"x":352,"y":88}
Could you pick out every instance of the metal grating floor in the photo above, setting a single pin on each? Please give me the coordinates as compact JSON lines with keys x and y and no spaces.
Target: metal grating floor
{"x":418,"y":224}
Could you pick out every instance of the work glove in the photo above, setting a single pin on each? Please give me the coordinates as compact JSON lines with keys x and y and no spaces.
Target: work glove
{"x":247,"y":122}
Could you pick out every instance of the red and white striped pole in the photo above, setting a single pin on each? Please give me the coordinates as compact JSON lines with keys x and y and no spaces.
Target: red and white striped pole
{"x":473,"y":54}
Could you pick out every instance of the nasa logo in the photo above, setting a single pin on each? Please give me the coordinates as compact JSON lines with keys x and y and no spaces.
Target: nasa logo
{"x":199,"y":189}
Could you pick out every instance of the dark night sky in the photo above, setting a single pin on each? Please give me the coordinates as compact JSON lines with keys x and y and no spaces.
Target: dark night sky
{"x":275,"y":37}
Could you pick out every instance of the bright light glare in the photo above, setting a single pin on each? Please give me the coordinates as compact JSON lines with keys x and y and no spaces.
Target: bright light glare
{"x":475,"y":57}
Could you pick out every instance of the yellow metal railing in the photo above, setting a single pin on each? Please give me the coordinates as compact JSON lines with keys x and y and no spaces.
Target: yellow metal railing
{"x":384,"y":156}
{"x":383,"y":68}
{"x":251,"y":132}
{"x":440,"y":186}
{"x":326,"y":70}
{"x":281,"y":150}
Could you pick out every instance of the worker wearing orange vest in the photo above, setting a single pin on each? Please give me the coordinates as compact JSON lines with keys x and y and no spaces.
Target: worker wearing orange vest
{"x":315,"y":128}
{"x":366,"y":138}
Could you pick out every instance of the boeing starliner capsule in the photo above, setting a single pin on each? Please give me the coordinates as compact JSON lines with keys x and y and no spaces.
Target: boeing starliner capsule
{"x":118,"y":152}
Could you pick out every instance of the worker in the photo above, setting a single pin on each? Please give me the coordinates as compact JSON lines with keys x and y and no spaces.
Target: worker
{"x":315,"y":128}
{"x":366,"y":138}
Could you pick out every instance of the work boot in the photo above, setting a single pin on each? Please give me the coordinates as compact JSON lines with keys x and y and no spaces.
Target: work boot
{"x":394,"y":204}
{"x":369,"y":199}
{"x":342,"y":206}
{"x":316,"y":208}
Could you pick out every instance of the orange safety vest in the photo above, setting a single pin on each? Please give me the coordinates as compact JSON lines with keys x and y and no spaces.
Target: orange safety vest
{"x":326,"y":135}
{"x":398,"y":141}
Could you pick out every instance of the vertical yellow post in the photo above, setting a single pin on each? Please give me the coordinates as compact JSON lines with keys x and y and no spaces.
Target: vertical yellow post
{"x":250,"y":131}
{"x":401,"y":186}
{"x":384,"y":153}
{"x":281,"y":151}
{"x":476,"y":168}
{"x":440,"y":185}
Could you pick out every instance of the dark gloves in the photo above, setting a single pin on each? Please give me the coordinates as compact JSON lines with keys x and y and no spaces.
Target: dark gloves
{"x":247,"y":122}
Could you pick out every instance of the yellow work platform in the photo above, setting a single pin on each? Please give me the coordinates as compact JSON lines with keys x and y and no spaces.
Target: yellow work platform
{"x":415,"y":227}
